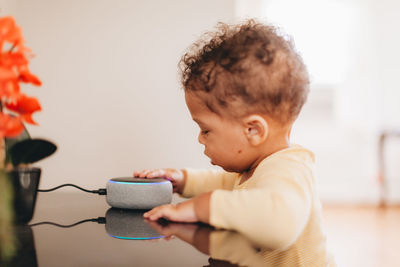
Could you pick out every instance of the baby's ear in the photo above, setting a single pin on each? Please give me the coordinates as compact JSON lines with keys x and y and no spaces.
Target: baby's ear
{"x":255,"y":129}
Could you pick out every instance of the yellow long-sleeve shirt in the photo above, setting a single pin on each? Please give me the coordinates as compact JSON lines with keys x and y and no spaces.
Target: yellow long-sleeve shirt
{"x":278,"y":207}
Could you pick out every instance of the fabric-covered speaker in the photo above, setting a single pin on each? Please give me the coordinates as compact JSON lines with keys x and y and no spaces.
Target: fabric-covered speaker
{"x":138,"y":193}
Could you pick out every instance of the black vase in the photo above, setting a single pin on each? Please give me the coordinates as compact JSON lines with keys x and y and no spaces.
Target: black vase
{"x":25,"y":183}
{"x":25,"y":254}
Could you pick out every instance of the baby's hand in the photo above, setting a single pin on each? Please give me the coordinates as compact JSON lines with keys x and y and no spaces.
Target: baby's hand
{"x":177,"y":177}
{"x":182,"y":212}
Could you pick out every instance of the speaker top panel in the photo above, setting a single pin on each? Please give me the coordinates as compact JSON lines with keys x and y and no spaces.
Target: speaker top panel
{"x":135,"y":180}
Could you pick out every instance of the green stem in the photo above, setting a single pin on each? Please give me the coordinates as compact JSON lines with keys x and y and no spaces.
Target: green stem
{"x":7,"y":238}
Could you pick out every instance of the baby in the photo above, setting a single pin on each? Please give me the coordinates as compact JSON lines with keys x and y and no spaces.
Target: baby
{"x":245,"y":86}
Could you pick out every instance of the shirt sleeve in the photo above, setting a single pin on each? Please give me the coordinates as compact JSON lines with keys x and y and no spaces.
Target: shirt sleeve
{"x":273,"y":214}
{"x":202,"y":181}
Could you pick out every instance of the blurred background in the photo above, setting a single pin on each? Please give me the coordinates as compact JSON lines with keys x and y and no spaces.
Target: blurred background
{"x":112,"y":100}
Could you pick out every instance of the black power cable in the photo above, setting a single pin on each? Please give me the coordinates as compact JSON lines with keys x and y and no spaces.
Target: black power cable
{"x":100,"y":220}
{"x":100,"y":191}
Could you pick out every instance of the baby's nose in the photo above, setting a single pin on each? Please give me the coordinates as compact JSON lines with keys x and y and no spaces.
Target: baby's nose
{"x":200,"y":138}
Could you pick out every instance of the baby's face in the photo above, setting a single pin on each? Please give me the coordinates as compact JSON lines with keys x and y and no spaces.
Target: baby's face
{"x":224,"y":140}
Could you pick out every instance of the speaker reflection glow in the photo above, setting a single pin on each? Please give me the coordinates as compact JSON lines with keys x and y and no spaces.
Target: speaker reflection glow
{"x":117,"y":182}
{"x":137,"y":238}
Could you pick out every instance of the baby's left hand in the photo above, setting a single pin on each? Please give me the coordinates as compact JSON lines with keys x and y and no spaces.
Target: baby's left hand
{"x":182,"y":212}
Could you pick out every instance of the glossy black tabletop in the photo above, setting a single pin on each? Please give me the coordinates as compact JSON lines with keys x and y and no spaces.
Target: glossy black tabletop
{"x":79,"y":229}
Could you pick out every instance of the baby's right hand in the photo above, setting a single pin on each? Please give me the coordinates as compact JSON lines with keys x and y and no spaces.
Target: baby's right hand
{"x":177,"y":177}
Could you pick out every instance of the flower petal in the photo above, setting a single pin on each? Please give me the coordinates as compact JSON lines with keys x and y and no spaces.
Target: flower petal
{"x":27,"y":77}
{"x":25,"y":106}
{"x":10,"y":32}
{"x":10,"y":126}
{"x":7,"y":74}
{"x":8,"y":60}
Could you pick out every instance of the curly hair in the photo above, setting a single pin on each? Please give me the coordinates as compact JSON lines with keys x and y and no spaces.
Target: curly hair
{"x":246,"y":68}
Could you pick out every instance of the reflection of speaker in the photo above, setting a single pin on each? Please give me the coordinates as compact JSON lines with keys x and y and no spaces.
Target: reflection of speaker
{"x":137,"y":193}
{"x":119,"y":223}
{"x":129,"y":224}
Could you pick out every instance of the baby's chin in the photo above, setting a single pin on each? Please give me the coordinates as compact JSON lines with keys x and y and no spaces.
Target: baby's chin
{"x":230,"y":168}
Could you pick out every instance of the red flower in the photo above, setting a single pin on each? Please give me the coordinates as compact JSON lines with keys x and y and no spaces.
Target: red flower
{"x":26,"y":76}
{"x":10,"y":32}
{"x":8,"y":60}
{"x":25,"y":106}
{"x":13,"y":62}
{"x":9,"y":89}
{"x":13,"y":70}
{"x":10,"y":126}
{"x":7,"y":74}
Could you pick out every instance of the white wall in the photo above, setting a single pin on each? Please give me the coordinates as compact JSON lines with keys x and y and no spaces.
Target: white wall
{"x":7,"y":7}
{"x":388,"y":90}
{"x":388,"y":63}
{"x":111,"y":96}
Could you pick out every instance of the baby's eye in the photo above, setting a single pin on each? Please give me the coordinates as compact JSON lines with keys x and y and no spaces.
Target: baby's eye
{"x":205,"y":132}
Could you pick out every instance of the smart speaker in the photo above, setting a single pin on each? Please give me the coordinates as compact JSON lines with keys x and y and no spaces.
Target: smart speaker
{"x":129,"y":224}
{"x":138,"y":193}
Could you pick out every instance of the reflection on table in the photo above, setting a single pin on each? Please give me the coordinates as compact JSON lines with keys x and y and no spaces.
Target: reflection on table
{"x":225,"y":248}
{"x":81,"y":230}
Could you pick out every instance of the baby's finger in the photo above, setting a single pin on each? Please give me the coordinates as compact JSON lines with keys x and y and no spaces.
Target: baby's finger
{"x":142,"y":174}
{"x":156,"y":173}
{"x":152,"y":214}
{"x":163,"y":211}
{"x":136,"y":173}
